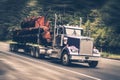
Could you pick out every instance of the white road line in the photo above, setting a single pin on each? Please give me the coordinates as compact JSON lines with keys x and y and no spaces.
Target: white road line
{"x":95,"y":78}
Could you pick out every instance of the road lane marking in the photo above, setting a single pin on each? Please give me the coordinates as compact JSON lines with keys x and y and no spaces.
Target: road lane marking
{"x":95,"y":78}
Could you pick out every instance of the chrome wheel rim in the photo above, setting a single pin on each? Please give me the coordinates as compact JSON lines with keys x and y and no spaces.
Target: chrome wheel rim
{"x":65,"y":59}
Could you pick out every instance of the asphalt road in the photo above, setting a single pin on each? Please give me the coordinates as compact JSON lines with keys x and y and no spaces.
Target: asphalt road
{"x":18,"y":66}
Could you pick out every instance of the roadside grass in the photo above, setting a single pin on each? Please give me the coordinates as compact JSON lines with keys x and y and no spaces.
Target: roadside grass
{"x":110,"y":55}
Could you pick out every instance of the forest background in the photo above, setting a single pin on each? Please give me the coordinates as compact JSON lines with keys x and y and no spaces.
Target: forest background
{"x":100,"y":17}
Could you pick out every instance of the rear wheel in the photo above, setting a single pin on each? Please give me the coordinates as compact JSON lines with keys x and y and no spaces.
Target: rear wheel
{"x":32,"y":52}
{"x":65,"y":59}
{"x":26,"y":51}
{"x":93,"y":64}
{"x":13,"y":48}
{"x":42,"y":56}
{"x":37,"y":53}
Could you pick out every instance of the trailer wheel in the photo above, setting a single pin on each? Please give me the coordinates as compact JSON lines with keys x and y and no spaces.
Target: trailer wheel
{"x":93,"y":64}
{"x":26,"y":51}
{"x":11,"y":48}
{"x":65,"y":59}
{"x":15,"y":48}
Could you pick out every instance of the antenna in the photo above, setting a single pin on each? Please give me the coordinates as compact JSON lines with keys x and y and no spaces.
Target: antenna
{"x":80,"y":21}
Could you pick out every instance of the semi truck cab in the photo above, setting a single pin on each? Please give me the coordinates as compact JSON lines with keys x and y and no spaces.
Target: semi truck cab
{"x":75,"y":47}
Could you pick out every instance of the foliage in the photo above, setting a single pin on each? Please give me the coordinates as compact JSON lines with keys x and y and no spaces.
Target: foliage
{"x":110,"y":55}
{"x":100,"y":17}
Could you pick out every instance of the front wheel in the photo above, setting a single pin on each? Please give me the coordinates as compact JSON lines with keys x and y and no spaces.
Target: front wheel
{"x":65,"y":59}
{"x":93,"y":64}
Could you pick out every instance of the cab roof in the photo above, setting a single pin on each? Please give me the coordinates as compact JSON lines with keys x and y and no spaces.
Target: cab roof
{"x":73,"y":27}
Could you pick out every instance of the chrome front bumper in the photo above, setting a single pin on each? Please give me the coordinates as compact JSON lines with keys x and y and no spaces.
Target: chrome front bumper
{"x":84,"y":58}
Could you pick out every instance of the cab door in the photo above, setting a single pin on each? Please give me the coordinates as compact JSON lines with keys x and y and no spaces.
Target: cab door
{"x":59,"y":36}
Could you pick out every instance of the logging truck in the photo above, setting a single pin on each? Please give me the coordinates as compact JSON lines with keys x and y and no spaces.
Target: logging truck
{"x":62,"y":42}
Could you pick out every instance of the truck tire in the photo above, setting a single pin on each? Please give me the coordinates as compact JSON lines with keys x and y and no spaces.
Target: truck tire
{"x":93,"y":64}
{"x":42,"y":56}
{"x":11,"y":47}
{"x":37,"y":52}
{"x":26,"y":51}
{"x":15,"y":48}
{"x":65,"y":59}
{"x":32,"y":52}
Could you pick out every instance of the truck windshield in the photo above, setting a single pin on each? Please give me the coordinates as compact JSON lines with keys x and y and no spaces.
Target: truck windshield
{"x":76,"y":32}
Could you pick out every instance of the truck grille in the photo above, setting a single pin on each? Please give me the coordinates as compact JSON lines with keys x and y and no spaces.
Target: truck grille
{"x":86,"y":46}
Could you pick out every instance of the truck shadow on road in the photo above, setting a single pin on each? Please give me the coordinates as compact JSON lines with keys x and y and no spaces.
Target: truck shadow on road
{"x":56,"y":61}
{"x":72,"y":65}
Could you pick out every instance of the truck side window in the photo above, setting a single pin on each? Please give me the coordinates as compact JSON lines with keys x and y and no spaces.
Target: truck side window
{"x":60,"y":31}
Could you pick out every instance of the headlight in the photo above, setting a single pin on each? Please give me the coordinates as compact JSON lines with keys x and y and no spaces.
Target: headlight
{"x":74,"y":49}
{"x":96,"y":51}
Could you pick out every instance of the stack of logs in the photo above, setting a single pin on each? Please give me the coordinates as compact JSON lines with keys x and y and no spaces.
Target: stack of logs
{"x":33,"y":30}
